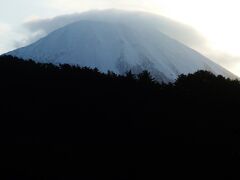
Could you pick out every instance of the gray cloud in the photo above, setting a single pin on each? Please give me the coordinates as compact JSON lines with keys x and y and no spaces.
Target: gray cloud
{"x":174,"y":29}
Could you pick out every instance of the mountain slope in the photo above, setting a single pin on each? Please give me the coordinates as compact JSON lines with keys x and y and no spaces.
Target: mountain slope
{"x":119,"y":48}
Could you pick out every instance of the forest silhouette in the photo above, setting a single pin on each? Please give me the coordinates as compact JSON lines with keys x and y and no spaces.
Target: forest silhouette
{"x":70,"y":122}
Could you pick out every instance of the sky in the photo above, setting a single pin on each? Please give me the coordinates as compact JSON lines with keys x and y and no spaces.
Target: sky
{"x":216,"y":20}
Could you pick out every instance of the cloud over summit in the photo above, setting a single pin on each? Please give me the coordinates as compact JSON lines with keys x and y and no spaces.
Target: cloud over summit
{"x":176,"y":30}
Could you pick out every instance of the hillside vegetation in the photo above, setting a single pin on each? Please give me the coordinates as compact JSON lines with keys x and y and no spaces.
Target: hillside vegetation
{"x":70,"y":122}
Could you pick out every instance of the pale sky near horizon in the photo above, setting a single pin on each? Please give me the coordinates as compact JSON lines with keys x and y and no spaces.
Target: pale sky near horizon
{"x":217,"y":20}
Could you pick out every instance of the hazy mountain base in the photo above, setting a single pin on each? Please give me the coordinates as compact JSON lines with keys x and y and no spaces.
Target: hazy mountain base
{"x":124,"y":67}
{"x":75,"y":123}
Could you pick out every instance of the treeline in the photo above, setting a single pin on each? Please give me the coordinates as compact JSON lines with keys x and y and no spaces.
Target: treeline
{"x":70,"y":122}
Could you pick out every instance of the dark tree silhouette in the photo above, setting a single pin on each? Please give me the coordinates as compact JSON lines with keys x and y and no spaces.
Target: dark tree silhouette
{"x":130,"y":76}
{"x":71,"y":122}
{"x":146,"y":77}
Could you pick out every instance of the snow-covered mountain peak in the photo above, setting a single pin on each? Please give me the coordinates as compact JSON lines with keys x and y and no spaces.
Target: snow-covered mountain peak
{"x":119,"y":47}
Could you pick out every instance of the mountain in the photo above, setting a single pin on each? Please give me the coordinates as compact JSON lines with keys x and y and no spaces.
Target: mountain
{"x":119,"y":47}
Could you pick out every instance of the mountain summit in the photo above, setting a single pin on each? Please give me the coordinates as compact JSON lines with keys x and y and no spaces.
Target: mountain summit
{"x":119,"y":47}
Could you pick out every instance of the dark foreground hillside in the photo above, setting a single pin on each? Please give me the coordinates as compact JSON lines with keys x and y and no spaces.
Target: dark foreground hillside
{"x":76,"y":123}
